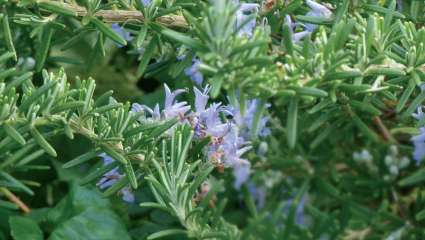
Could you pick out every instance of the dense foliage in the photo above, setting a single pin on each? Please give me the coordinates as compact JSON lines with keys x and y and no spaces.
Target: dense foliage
{"x":220,"y":119}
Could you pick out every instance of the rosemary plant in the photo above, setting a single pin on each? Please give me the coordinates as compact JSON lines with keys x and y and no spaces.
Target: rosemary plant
{"x":218,"y":119}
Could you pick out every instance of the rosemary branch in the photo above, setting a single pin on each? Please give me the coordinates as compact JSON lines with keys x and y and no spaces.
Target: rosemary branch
{"x":111,"y":16}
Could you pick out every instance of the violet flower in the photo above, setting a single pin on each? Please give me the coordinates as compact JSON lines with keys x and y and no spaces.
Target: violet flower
{"x":112,"y":177}
{"x":146,"y":2}
{"x":245,"y":120}
{"x":296,"y":37}
{"x":194,"y":73}
{"x":419,"y":140}
{"x":122,"y":32}
{"x":242,"y":15}
{"x":172,"y":108}
{"x":317,"y":10}
{"x":419,"y":146}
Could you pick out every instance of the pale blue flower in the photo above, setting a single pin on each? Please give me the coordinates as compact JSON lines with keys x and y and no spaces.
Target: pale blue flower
{"x":317,"y":10}
{"x":155,"y":113}
{"x":112,"y":177}
{"x":419,"y":146}
{"x":245,"y":120}
{"x":296,"y":37}
{"x":173,"y":108}
{"x":146,"y":2}
{"x":122,"y":32}
{"x":194,"y":73}
{"x":419,"y":115}
{"x":242,"y":14}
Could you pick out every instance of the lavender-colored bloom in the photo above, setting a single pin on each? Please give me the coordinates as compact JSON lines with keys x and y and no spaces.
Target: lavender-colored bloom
{"x":419,"y":115}
{"x":317,"y":10}
{"x":127,"y":195}
{"x":123,"y":33}
{"x":244,"y":120}
{"x":173,"y":108}
{"x":155,"y":113}
{"x":146,"y":2}
{"x":241,"y":17}
{"x":419,"y":145}
{"x":296,"y":37}
{"x":194,"y":73}
{"x":213,"y":125}
{"x":112,"y":177}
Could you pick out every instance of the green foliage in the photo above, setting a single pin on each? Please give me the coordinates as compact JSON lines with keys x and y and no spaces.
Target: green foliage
{"x":341,"y":102}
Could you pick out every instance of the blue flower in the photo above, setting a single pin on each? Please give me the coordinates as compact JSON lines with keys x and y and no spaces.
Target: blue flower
{"x":194,"y":73}
{"x":242,"y":14}
{"x":146,"y":2}
{"x":317,"y":10}
{"x":245,"y":120}
{"x":173,"y":108}
{"x":419,"y":146}
{"x":155,"y":113}
{"x":419,"y":115}
{"x":112,"y":177}
{"x":296,"y":37}
{"x":123,"y":33}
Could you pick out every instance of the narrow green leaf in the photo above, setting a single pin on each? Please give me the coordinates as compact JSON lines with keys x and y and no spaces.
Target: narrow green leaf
{"x":81,"y":159}
{"x":147,"y":55}
{"x":165,"y":233}
{"x":15,"y":135}
{"x":291,"y":124}
{"x":415,"y":178}
{"x":310,"y":91}
{"x":39,"y":139}
{"x":57,"y":7}
{"x":128,"y":168}
{"x":141,"y":36}
{"x":43,"y":47}
{"x":363,"y":127}
{"x":69,"y":106}
{"x":109,"y":32}
{"x":405,"y":96}
{"x":113,"y":154}
{"x":8,"y":35}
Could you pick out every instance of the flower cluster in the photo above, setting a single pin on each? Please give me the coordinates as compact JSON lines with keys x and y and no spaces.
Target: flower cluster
{"x":228,"y":127}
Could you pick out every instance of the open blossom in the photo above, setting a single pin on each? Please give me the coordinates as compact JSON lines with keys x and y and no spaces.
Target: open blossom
{"x":242,"y":16}
{"x":112,"y":177}
{"x":317,"y":10}
{"x":172,"y":107}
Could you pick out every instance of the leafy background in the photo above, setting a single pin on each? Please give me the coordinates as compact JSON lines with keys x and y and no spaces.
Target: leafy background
{"x":347,"y":199}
